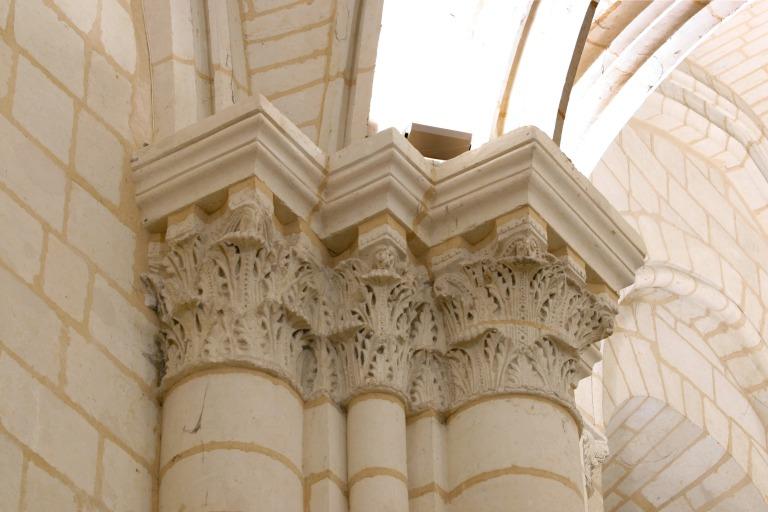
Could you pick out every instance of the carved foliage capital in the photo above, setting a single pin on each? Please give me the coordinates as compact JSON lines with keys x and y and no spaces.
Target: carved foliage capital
{"x":379,"y":300}
{"x":234,"y":290}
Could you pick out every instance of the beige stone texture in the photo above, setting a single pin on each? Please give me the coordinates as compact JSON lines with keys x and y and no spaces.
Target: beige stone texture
{"x":52,"y":42}
{"x":325,"y":496}
{"x":4,"y":8}
{"x":230,"y":480}
{"x":43,"y":109}
{"x":28,"y":327}
{"x":173,"y":111}
{"x":477,"y":443}
{"x":65,"y":277}
{"x":376,"y":435}
{"x":427,"y":455}
{"x":117,"y":34}
{"x":125,"y":407}
{"x":45,"y":493}
{"x":325,"y":441}
{"x":376,"y":454}
{"x":109,"y":94}
{"x":6,"y":65}
{"x":282,"y":21}
{"x":292,"y":47}
{"x":82,"y":13}
{"x":55,"y":152}
{"x":47,"y":425}
{"x":124,"y":330}
{"x":94,"y":229}
{"x":23,"y":256}
{"x":378,"y":494}
{"x":263,"y":433}
{"x":199,"y":411}
{"x":302,"y":106}
{"x":99,"y":157}
{"x":283,"y":78}
{"x":430,"y":502}
{"x":31,"y":175}
{"x":518,"y":492}
{"x":10,"y":471}
{"x":126,"y":485}
{"x":708,"y":354}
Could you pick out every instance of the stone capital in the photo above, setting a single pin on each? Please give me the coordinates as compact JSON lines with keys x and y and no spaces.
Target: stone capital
{"x":374,"y":269}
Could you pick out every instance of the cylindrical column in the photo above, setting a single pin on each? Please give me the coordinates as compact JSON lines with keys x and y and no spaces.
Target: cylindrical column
{"x":427,"y":463}
{"x":376,"y":454}
{"x":231,"y":440}
{"x":514,"y":452}
{"x":325,"y":457}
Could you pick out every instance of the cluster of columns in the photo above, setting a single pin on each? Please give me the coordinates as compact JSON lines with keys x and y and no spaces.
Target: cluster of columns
{"x":369,"y":383}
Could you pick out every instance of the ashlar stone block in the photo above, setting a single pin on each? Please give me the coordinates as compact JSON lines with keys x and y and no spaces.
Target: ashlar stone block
{"x":23,"y":235}
{"x":118,"y":35}
{"x":52,"y":42}
{"x":44,"y":109}
{"x":99,"y":157}
{"x":45,"y":493}
{"x":65,"y":279}
{"x":47,"y":425}
{"x":31,"y":175}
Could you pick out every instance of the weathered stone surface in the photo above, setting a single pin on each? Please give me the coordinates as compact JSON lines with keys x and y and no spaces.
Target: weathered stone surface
{"x":45,"y":493}
{"x":28,"y":326}
{"x":47,"y":425}
{"x":99,"y":157}
{"x":109,"y":94}
{"x":23,"y":247}
{"x":122,"y":406}
{"x":32,"y":175}
{"x":93,"y":229}
{"x":81,"y":12}
{"x":10,"y":471}
{"x":117,"y":34}
{"x":123,"y":330}
{"x":54,"y":44}
{"x":127,"y":486}
{"x":65,"y":278}
{"x":43,"y":109}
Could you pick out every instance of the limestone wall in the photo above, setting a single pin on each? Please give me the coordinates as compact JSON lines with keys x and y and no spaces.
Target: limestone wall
{"x":78,"y":415}
{"x":690,"y":336}
{"x":309,"y":58}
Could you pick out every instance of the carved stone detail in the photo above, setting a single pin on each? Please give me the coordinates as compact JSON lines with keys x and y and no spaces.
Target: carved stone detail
{"x":595,"y":454}
{"x":510,"y":319}
{"x":521,"y":285}
{"x":429,"y":386}
{"x":233,"y":292}
{"x":380,"y":300}
{"x":516,"y":319}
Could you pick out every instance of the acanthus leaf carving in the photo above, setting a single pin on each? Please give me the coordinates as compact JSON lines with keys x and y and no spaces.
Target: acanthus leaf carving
{"x":516,"y":320}
{"x":232,"y":291}
{"x":379,"y":303}
{"x":509,"y":319}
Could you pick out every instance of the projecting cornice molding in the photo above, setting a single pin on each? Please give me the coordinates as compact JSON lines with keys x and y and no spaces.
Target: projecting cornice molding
{"x":335,"y":193}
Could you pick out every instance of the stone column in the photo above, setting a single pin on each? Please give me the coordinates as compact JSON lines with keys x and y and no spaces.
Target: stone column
{"x":379,"y":294}
{"x":377,"y":454}
{"x":234,"y":303}
{"x":265,"y":344}
{"x":518,"y":321}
